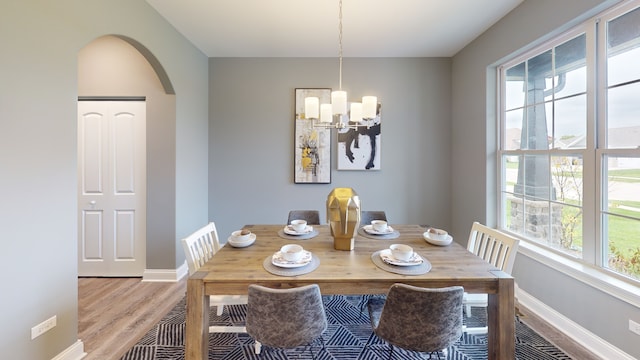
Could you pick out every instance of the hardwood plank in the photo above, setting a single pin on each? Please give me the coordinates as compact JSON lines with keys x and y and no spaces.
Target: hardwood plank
{"x":451,"y":264}
{"x":554,"y":336}
{"x":114,"y":313}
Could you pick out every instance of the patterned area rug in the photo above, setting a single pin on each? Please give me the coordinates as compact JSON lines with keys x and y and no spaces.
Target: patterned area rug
{"x":348,"y":336}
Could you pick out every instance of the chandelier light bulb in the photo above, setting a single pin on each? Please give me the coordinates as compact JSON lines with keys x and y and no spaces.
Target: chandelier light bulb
{"x":369,"y":107}
{"x":339,"y":102}
{"x":311,"y":107}
{"x":356,"y":112}
{"x":326,"y":113}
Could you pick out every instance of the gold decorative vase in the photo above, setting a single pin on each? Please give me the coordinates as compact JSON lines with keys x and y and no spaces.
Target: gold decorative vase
{"x":343,"y":215}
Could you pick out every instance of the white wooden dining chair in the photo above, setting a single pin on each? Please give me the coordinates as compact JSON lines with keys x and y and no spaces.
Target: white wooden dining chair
{"x":199,"y":247}
{"x":497,"y":248}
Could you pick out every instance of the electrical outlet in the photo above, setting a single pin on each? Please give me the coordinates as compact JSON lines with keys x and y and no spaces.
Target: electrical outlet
{"x":43,"y":327}
{"x":634,"y":326}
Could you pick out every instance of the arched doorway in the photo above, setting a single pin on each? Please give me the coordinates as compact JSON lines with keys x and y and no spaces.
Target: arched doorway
{"x":120,"y":68}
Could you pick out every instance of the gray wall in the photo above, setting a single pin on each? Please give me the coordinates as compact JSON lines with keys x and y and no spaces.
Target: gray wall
{"x":251,"y":131}
{"x":436,"y":150}
{"x":38,"y":91}
{"x":473,"y":161}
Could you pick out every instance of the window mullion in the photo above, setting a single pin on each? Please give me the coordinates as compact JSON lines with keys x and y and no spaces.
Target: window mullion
{"x":592,"y":252}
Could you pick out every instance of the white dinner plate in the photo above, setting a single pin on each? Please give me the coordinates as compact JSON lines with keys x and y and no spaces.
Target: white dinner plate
{"x":278,"y":260}
{"x":388,"y":258}
{"x":370,"y":230}
{"x":438,"y":242}
{"x":289,"y":230}
{"x":237,"y":243}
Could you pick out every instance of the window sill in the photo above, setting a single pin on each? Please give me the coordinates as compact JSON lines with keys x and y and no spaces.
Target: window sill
{"x":596,"y":278}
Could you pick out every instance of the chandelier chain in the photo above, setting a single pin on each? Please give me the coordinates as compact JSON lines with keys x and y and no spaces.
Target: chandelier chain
{"x":327,"y":113}
{"x":340,"y":43}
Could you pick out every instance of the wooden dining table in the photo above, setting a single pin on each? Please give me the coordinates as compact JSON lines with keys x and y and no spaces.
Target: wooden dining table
{"x":232,"y":270}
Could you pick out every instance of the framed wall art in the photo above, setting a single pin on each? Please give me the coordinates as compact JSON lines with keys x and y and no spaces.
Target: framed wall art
{"x":312,"y":146}
{"x":359,"y":149}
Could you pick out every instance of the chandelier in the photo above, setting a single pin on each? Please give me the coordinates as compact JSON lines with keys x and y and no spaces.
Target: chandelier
{"x":325,"y":113}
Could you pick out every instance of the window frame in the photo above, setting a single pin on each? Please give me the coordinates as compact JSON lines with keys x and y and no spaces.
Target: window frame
{"x":590,"y":267}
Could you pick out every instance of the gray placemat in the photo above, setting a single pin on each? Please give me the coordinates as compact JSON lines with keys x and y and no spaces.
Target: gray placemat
{"x":277,"y":270}
{"x":310,"y":235}
{"x":392,"y":235}
{"x":403,"y":270}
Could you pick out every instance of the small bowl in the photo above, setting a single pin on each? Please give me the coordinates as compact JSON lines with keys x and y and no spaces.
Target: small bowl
{"x":401,"y":252}
{"x":437,"y":234}
{"x":433,"y":241}
{"x":379,"y":225}
{"x":299,"y":225}
{"x":241,"y":235}
{"x":292,"y":252}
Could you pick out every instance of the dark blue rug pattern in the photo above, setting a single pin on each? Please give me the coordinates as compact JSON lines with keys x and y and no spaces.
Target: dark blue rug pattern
{"x":348,"y":336}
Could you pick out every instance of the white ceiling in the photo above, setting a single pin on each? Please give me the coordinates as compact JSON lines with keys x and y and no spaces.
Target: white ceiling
{"x":309,"y":28}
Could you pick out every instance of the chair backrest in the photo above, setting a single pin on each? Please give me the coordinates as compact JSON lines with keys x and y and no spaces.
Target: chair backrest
{"x":421,"y":319}
{"x":285,"y":318}
{"x":494,"y":246}
{"x":312,"y":216}
{"x":367,"y":216}
{"x":200,"y":246}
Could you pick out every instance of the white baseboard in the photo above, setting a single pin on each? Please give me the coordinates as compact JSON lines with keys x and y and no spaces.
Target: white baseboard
{"x":166,"y":275}
{"x":584,"y":337}
{"x":73,"y":352}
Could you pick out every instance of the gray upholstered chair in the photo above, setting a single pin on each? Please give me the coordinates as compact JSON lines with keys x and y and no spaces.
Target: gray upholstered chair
{"x":367,"y":216}
{"x":418,"y":319}
{"x":312,"y":216}
{"x":285,"y":318}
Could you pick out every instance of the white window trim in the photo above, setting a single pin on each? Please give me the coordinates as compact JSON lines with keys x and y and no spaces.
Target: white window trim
{"x":596,"y":276}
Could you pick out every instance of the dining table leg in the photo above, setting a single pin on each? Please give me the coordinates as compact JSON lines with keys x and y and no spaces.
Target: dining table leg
{"x":501,"y":313}
{"x":197,"y":321}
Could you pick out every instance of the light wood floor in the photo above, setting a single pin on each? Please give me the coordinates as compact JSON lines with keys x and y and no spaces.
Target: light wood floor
{"x":114,"y":313}
{"x":559,"y":339}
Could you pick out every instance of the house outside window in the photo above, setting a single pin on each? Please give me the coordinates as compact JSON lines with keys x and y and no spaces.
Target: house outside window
{"x":569,"y":144}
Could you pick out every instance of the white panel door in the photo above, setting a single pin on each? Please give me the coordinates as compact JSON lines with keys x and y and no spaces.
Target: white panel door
{"x":111,"y":188}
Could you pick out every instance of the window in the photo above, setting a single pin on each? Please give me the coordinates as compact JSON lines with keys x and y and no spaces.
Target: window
{"x":569,"y":151}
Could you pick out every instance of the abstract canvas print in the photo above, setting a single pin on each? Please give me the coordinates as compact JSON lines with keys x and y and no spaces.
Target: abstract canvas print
{"x":359,"y":149}
{"x":312,"y":145}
